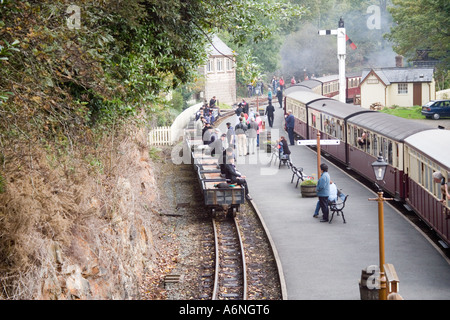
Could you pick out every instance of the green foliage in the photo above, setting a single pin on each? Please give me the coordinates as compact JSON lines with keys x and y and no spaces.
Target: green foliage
{"x":404,"y":112}
{"x":422,"y":24}
{"x":309,"y":183}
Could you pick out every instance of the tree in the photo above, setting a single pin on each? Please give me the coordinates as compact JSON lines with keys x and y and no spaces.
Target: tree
{"x":422,"y":24}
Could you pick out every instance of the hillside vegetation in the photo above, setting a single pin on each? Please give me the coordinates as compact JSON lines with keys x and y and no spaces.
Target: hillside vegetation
{"x":80,"y":85}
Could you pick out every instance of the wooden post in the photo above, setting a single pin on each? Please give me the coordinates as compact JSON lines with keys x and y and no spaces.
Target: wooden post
{"x":380,"y":200}
{"x":318,"y":155}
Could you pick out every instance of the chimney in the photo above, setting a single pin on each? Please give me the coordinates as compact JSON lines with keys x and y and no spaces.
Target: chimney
{"x":399,"y":61}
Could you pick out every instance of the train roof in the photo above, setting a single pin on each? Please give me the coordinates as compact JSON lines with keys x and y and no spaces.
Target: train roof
{"x":338,"y":109}
{"x":305,"y":96}
{"x":311,"y":83}
{"x":295,"y":88}
{"x":434,"y":144}
{"x":390,"y":126}
{"x":329,"y":78}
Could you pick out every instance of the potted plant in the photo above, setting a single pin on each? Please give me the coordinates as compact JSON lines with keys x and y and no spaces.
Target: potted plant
{"x":268,"y":146}
{"x":308,"y":188}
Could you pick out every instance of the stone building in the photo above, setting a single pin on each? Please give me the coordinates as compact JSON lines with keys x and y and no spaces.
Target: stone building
{"x":220,"y":73}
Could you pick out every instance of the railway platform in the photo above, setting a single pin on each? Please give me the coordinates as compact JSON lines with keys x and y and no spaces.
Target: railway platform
{"x":323,"y":261}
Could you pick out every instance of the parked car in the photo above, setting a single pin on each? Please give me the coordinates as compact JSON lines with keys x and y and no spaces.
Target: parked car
{"x":436,"y":109}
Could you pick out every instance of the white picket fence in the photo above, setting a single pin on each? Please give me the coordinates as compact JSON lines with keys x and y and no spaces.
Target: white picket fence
{"x":170,"y":135}
{"x":161,"y":136}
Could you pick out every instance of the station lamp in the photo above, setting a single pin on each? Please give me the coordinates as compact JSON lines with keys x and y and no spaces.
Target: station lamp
{"x":379,"y":168}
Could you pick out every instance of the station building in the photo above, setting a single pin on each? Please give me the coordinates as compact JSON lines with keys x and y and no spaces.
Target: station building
{"x":404,"y":87}
{"x":219,"y":73}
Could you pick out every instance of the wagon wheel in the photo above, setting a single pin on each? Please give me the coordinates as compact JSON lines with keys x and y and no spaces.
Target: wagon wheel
{"x":233,"y":212}
{"x":213,"y":212}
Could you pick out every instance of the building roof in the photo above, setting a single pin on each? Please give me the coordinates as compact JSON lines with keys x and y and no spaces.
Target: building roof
{"x":400,"y":75}
{"x":219,"y":48}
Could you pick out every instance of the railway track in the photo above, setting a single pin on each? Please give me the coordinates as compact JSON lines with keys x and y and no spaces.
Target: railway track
{"x":238,"y":265}
{"x":230,"y":281}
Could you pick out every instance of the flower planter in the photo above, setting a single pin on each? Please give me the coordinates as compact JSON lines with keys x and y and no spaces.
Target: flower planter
{"x":308,"y":189}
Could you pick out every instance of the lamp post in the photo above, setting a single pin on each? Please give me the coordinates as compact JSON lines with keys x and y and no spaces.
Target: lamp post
{"x":379,"y":169}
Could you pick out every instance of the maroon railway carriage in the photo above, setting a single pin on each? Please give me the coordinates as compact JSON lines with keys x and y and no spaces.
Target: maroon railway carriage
{"x":353,"y":89}
{"x":297,"y":99}
{"x":328,"y":86}
{"x":425,"y":153}
{"x":385,"y":134}
{"x":330,"y":119}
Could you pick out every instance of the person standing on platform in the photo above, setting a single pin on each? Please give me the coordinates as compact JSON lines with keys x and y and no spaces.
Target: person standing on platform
{"x":270,"y":110}
{"x":282,"y":84}
{"x":323,"y":191}
{"x":331,"y":198}
{"x":280,"y":97}
{"x":241,"y":129}
{"x":231,"y":136}
{"x":260,"y":127}
{"x":252,"y":132}
{"x":290,"y":123}
{"x":293,"y":81}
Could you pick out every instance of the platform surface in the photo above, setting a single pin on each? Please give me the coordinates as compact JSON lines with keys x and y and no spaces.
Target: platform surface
{"x":324,"y":260}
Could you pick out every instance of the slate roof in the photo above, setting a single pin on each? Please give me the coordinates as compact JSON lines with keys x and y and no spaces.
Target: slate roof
{"x":400,"y":75}
{"x":219,"y":48}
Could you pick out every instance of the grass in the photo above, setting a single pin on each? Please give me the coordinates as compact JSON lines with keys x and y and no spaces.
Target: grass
{"x":405,"y":112}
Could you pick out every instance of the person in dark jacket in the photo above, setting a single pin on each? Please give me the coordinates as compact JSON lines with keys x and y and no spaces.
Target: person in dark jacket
{"x":290,"y":123}
{"x":270,"y":110}
{"x":284,"y":147}
{"x":280,"y":97}
{"x":236,"y":177}
{"x":323,"y":191}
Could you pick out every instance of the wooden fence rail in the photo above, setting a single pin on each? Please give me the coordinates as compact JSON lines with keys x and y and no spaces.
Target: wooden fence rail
{"x":160,"y":136}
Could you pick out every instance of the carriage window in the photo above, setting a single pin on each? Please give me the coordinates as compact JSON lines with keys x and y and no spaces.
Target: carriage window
{"x":326,"y":126}
{"x":426,"y":174}
{"x":314,"y":120}
{"x":397,"y":160}
{"x":420,"y":165}
{"x":375,"y":146}
{"x":390,"y":153}
{"x":355,"y":136}
{"x":339,"y":130}
{"x":384,"y":148}
{"x":333,"y":128}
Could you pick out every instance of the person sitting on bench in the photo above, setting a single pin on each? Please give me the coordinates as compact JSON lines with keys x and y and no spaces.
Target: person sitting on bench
{"x":235,"y":177}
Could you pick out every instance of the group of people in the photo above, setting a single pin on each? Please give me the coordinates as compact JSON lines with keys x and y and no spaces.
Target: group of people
{"x":247,"y":129}
{"x":220,"y":145}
